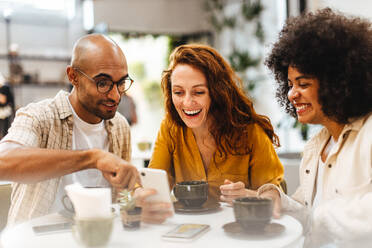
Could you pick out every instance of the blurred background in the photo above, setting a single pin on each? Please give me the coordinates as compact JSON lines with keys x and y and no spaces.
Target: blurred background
{"x":37,"y":37}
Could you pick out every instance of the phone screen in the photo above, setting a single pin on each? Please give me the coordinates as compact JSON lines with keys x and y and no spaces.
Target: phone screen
{"x":186,"y":231}
{"x":52,"y":228}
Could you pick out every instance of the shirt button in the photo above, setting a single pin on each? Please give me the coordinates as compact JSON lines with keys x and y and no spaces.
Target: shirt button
{"x":329,"y":166}
{"x":307,"y":171}
{"x":336,"y":191}
{"x":306,"y":203}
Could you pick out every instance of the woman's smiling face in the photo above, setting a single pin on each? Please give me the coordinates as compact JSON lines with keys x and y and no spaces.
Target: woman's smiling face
{"x":303,"y":94}
{"x":190,"y":95}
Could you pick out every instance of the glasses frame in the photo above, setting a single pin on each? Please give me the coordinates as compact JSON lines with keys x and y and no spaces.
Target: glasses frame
{"x":112,"y":85}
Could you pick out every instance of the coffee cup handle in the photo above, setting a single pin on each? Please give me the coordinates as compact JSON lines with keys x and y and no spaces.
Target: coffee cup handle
{"x":69,"y":207}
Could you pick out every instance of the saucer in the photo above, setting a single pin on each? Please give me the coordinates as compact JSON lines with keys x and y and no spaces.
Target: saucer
{"x":272,"y":229}
{"x":209,"y":205}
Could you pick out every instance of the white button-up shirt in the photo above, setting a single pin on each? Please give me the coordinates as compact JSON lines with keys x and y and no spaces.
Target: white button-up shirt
{"x":49,"y":124}
{"x":345,"y":208}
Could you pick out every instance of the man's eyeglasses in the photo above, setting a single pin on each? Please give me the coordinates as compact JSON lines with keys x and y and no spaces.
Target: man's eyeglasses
{"x":105,"y":85}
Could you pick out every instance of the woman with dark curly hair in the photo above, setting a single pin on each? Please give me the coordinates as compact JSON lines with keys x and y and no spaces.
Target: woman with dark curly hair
{"x":211,"y":131}
{"x":322,"y":64}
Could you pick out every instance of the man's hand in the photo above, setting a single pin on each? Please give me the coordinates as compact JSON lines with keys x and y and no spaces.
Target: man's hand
{"x":152,"y":212}
{"x":230,"y":191}
{"x":274,"y":195}
{"x":118,"y":172}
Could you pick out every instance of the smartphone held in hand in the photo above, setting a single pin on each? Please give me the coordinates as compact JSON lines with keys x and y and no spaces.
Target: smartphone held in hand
{"x":186,"y":232}
{"x":156,"y":179}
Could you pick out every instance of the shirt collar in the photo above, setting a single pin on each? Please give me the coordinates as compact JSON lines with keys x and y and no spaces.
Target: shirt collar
{"x":355,"y":125}
{"x":62,"y":104}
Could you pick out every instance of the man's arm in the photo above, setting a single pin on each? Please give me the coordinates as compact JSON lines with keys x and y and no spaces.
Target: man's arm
{"x":31,"y":165}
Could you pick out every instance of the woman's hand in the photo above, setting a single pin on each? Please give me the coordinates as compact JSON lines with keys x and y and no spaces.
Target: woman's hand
{"x":230,"y":191}
{"x":274,"y":195}
{"x":152,"y":212}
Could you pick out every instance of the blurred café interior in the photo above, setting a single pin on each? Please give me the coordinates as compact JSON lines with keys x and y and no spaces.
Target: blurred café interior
{"x":37,"y":38}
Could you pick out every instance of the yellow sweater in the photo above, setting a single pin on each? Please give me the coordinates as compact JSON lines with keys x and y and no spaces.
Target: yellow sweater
{"x":177,"y":153}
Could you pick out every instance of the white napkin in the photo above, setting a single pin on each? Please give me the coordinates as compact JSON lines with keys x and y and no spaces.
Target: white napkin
{"x":90,"y":202}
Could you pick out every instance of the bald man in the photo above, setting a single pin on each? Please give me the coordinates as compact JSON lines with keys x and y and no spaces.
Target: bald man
{"x":74,"y":137}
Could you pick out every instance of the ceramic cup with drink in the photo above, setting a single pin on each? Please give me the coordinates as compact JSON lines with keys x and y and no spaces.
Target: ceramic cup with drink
{"x":93,"y":219}
{"x":252,"y":212}
{"x":93,"y":232}
{"x":191,"y":194}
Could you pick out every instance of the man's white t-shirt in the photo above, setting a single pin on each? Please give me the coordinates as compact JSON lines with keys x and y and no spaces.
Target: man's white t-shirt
{"x":84,"y":136}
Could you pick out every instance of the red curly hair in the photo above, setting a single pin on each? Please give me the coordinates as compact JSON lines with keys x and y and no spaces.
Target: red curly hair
{"x":231,"y":110}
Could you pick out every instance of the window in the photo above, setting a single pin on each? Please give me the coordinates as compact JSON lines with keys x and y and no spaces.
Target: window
{"x":64,"y":8}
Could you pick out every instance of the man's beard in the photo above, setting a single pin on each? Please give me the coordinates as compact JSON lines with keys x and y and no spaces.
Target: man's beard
{"x":97,"y":112}
{"x":105,"y":116}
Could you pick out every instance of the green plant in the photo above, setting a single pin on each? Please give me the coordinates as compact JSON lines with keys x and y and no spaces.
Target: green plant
{"x":251,"y":9}
{"x":126,"y":201}
{"x":153,"y":93}
{"x":247,"y":14}
{"x":240,"y":61}
{"x":303,"y":128}
{"x":138,"y":70}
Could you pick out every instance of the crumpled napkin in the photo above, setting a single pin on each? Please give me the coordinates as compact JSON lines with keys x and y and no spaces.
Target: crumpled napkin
{"x":90,"y":202}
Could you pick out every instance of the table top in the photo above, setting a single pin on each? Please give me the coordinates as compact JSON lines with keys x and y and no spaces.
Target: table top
{"x":149,"y":235}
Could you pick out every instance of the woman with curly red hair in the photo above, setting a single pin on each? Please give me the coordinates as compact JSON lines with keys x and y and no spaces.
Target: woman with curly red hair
{"x":211,"y":131}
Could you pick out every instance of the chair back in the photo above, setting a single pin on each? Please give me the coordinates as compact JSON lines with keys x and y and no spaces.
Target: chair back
{"x":5,"y":192}
{"x":283,"y":185}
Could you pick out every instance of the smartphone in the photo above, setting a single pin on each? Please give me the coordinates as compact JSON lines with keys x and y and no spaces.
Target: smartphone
{"x":186,"y":232}
{"x":52,"y":228}
{"x":156,"y":179}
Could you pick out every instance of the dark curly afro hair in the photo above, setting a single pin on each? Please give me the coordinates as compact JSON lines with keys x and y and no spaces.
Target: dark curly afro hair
{"x":335,"y":49}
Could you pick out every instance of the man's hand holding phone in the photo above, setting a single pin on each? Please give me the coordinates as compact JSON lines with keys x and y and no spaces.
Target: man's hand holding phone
{"x":154,"y":196}
{"x":152,"y":212}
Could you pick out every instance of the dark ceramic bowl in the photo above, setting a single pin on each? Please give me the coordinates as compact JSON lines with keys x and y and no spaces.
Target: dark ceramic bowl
{"x":252,"y":212}
{"x":192,"y":194}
